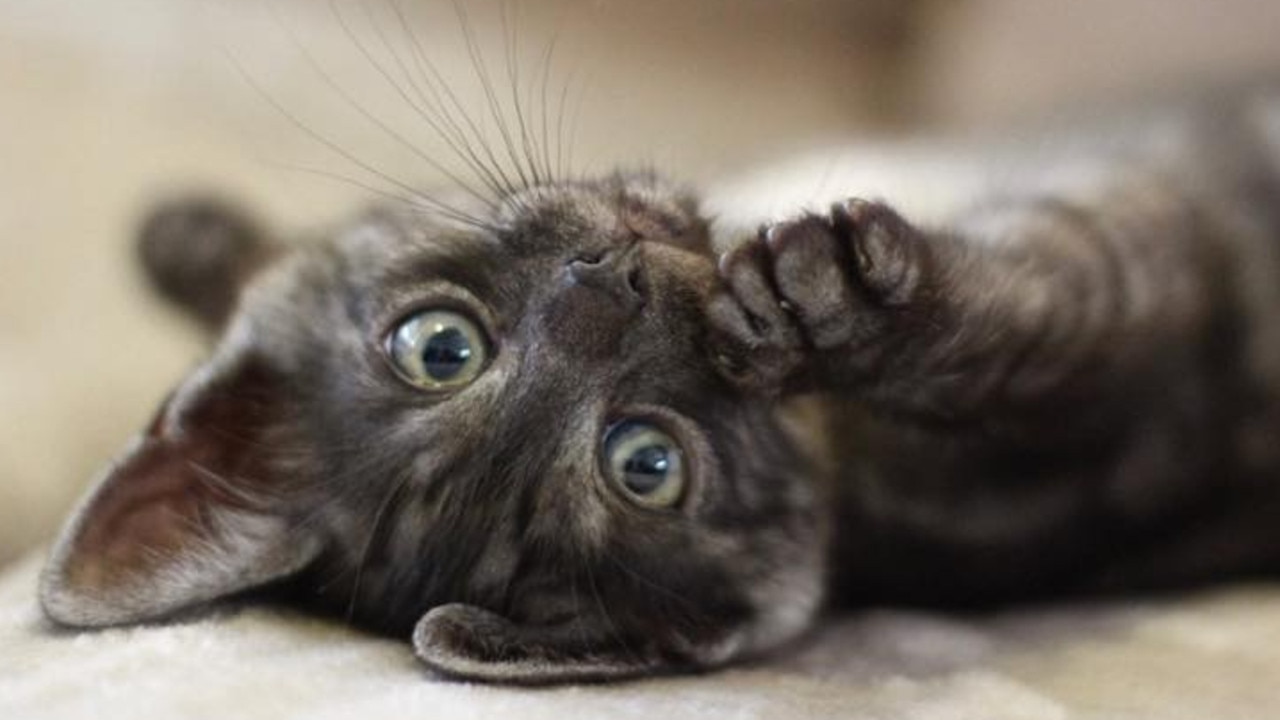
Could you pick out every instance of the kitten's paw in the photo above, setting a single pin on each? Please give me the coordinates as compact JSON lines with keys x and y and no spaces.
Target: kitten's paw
{"x":890,"y":255}
{"x":812,"y":286}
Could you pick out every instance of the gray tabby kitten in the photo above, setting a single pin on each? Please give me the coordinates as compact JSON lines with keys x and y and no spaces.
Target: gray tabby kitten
{"x":565,"y":438}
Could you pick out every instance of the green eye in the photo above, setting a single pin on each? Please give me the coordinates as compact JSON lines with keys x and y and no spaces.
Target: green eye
{"x":437,"y":349}
{"x":644,"y":463}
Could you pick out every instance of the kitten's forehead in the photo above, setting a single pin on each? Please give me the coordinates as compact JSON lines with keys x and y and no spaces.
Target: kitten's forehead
{"x":554,"y":219}
{"x":617,"y":207}
{"x":389,"y":256}
{"x":389,"y":235}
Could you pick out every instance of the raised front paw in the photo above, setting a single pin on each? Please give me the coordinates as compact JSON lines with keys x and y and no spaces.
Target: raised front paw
{"x":808,"y":290}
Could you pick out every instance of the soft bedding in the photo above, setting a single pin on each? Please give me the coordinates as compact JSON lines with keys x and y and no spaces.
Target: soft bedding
{"x":1210,"y":656}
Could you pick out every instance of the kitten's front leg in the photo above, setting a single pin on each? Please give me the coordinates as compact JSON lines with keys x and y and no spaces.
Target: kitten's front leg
{"x":848,"y":283}
{"x":1022,"y":303}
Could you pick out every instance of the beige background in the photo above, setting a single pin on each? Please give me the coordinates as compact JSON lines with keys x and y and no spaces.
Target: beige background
{"x":106,"y":105}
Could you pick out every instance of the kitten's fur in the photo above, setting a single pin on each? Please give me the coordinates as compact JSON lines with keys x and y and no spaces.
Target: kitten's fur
{"x":1064,"y":379}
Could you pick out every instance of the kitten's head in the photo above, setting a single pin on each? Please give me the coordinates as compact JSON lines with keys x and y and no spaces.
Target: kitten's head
{"x":511,"y":439}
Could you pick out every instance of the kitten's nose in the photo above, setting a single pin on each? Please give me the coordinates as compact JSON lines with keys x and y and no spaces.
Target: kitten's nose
{"x":616,"y":272}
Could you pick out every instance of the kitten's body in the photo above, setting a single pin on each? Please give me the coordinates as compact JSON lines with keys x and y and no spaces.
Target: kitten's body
{"x":1163,"y":474}
{"x":1059,"y":372}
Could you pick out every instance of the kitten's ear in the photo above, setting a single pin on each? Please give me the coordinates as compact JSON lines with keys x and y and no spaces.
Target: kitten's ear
{"x":192,"y":511}
{"x":199,"y":253}
{"x":471,"y":643}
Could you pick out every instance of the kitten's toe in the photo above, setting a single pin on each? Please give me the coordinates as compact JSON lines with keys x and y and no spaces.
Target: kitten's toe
{"x":747,"y":270}
{"x":888,"y":253}
{"x":740,"y":351}
{"x":757,"y":341}
{"x":810,"y":274}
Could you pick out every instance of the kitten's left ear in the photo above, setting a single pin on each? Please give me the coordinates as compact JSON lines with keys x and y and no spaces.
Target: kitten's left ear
{"x":193,"y":510}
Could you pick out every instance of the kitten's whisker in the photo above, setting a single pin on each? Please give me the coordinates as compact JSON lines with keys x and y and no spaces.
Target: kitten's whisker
{"x":333,"y":84}
{"x":437,"y":83}
{"x":560,"y":138}
{"x":573,"y":121}
{"x":545,"y":83}
{"x":440,"y":122}
{"x":336,"y":148}
{"x":378,"y":65}
{"x":511,"y":49}
{"x":491,"y":96}
{"x":382,"y":69}
{"x":413,"y":202}
{"x":434,"y":106}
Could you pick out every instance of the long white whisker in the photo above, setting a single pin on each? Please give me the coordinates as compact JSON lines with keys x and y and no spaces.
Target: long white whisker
{"x":511,"y":49}
{"x":363,"y":111}
{"x":545,"y":83}
{"x":560,"y":138}
{"x":438,"y":84}
{"x":491,"y":97}
{"x":428,"y":111}
{"x":436,"y":113}
{"x":336,"y":148}
{"x":412,"y":202}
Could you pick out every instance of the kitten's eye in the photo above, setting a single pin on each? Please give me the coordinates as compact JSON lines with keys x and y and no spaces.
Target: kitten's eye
{"x":438,"y":349}
{"x":645,"y":463}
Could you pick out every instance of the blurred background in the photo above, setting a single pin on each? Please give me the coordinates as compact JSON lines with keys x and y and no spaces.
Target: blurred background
{"x":106,"y":106}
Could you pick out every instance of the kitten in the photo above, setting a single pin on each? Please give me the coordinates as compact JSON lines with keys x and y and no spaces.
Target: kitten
{"x":575,"y":437}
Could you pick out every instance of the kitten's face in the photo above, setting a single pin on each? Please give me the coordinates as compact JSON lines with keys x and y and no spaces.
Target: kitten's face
{"x":517,"y":431}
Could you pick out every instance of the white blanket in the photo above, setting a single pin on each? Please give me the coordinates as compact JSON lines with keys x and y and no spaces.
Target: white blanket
{"x":1214,"y":656}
